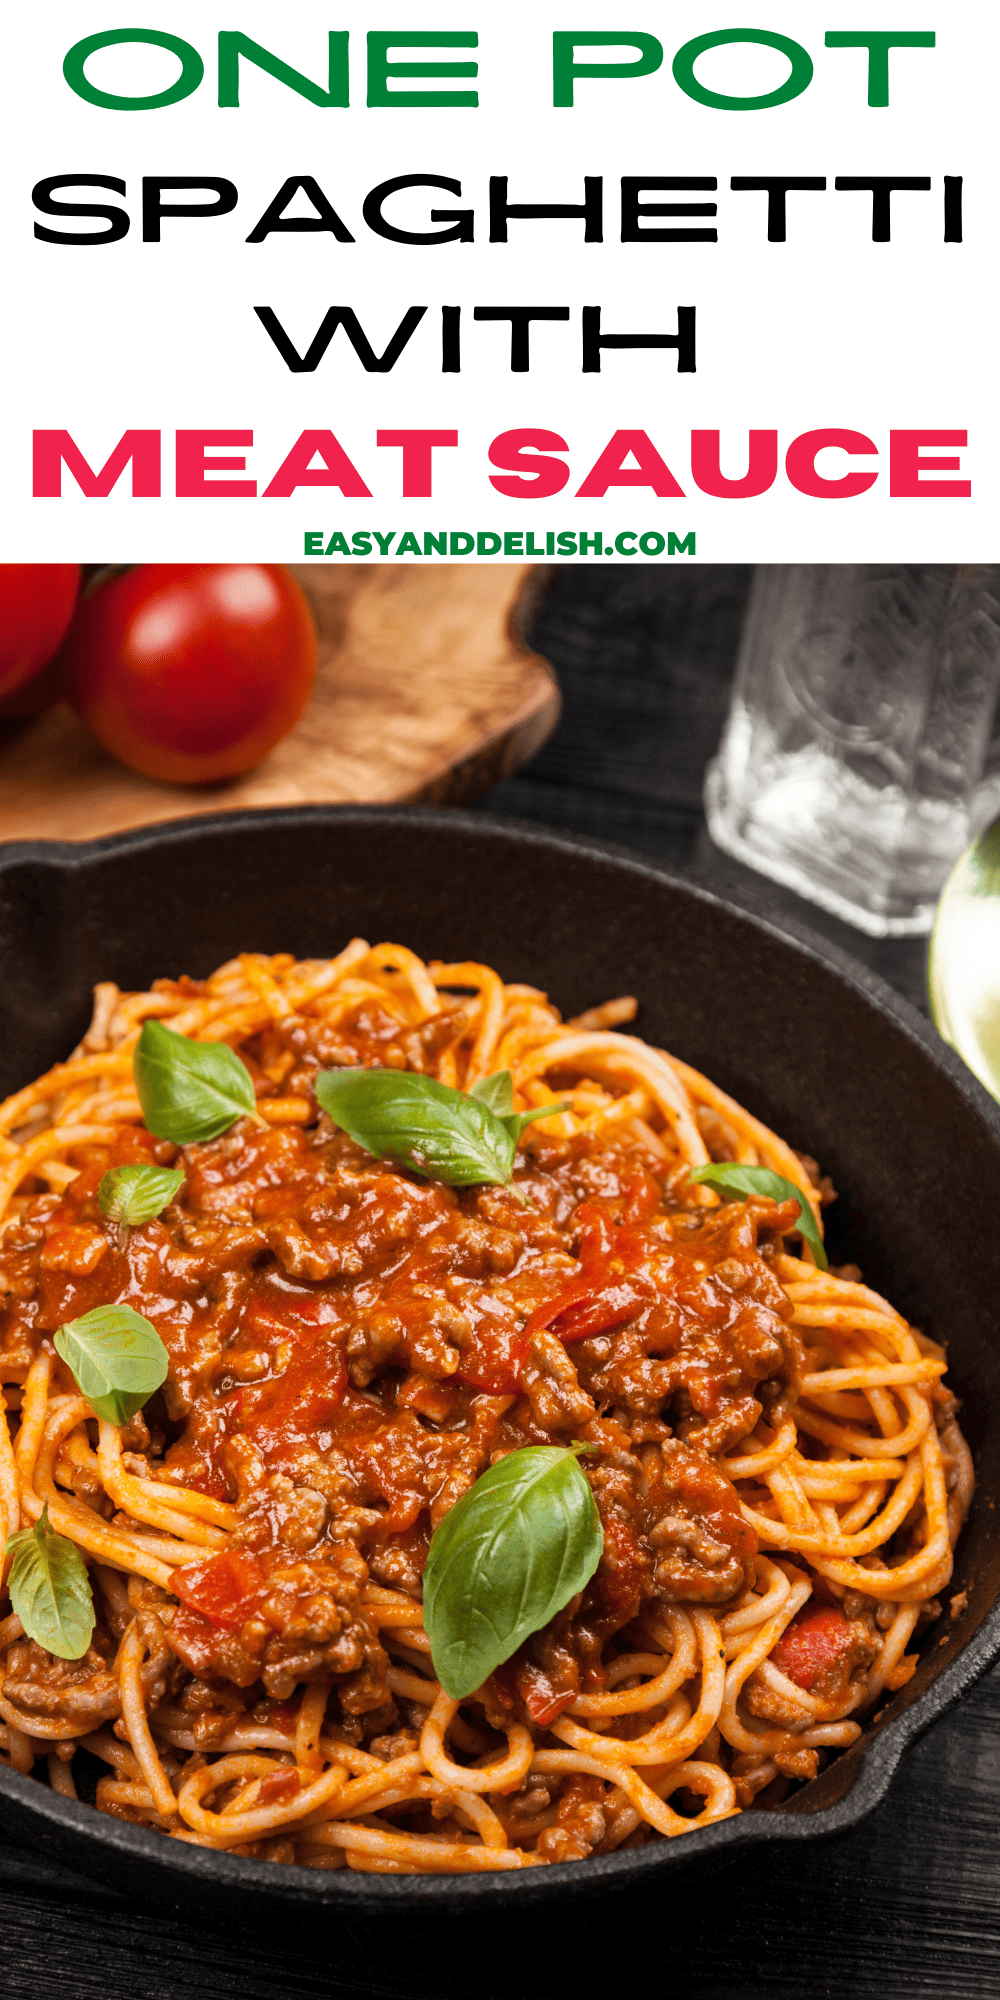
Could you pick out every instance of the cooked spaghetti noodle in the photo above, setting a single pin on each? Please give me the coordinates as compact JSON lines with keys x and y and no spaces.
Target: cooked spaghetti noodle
{"x":776,"y":1462}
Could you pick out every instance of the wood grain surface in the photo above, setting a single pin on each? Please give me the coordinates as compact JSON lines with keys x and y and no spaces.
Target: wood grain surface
{"x":424,"y":690}
{"x":907,"y":1907}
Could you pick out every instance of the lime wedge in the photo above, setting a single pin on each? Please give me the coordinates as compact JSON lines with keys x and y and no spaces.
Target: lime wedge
{"x":963,"y":970}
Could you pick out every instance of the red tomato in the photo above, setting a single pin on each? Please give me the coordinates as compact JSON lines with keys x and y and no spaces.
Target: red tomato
{"x":818,"y":1639}
{"x":222,"y":1588}
{"x":36,"y":605}
{"x":33,"y":697}
{"x":192,"y":672}
{"x":297,"y":1405}
{"x":542,"y":1697}
{"x":601,"y":1298}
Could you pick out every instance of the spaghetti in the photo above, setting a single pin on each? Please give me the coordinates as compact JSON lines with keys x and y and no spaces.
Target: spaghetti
{"x":776,"y":1462}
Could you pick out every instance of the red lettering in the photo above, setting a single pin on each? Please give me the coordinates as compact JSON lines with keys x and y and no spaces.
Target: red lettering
{"x":520,"y":453}
{"x":297,"y":469}
{"x":54,"y":449}
{"x":800,"y":464}
{"x":193,"y":467}
{"x":610,"y":469}
{"x":761,"y":473}
{"x":418,"y":452}
{"x":907,"y":465}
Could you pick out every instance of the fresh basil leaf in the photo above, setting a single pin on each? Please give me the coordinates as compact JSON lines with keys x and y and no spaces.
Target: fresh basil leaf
{"x":496,"y":1092}
{"x":441,"y":1133}
{"x":419,"y":1123}
{"x":50,"y":1589}
{"x":509,"y":1555}
{"x":131,"y":1195}
{"x":189,"y":1091}
{"x":117,"y":1360}
{"x":731,"y":1179}
{"x":517,"y":1120}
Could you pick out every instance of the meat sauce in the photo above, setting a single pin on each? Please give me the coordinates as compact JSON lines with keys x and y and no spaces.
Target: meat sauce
{"x":351,"y":1346}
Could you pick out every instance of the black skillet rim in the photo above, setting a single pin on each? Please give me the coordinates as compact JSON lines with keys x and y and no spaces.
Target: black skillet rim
{"x":343,"y":1890}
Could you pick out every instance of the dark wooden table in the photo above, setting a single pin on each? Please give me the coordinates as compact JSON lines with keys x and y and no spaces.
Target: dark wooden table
{"x":908,"y":1904}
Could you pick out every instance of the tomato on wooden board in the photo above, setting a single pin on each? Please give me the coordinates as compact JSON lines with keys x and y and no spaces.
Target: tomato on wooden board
{"x":36,"y":605}
{"x":34,"y":696}
{"x":191,"y":672}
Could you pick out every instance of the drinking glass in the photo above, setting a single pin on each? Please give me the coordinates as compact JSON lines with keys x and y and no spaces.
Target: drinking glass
{"x":860,"y":755}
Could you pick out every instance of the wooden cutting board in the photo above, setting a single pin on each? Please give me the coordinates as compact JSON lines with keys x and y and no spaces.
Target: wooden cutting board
{"x":424,"y":691}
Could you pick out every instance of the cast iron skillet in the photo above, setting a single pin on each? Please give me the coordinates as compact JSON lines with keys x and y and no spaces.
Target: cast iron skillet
{"x":811,"y":1042}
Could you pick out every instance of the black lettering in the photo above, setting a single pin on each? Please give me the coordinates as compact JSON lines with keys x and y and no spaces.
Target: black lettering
{"x":953,"y":208}
{"x":462,"y":220}
{"x":153,"y":209}
{"x":42,"y":196}
{"x":520,"y":318}
{"x":274,"y":221}
{"x":777,"y":187}
{"x":683,"y":340}
{"x":374,"y":364}
{"x":589,"y":211}
{"x":633,"y":209}
{"x":451,"y":340}
{"x":881,"y":187}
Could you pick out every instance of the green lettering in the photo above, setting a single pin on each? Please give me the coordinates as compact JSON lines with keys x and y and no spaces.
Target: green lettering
{"x":313,"y":545}
{"x":565,"y":68}
{"x":798,"y":79}
{"x":361,"y":542}
{"x":337,"y":545}
{"x":878,"y":43}
{"x":192,"y":69}
{"x":408,"y":545}
{"x":380,"y":69}
{"x":435,"y":545}
{"x":678,"y":547}
{"x":233,"y":45}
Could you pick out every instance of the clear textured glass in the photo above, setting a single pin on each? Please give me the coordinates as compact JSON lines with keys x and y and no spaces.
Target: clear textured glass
{"x":859,"y":757}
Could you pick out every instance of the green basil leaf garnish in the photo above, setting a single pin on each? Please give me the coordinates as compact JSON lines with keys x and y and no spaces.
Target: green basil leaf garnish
{"x":496,"y":1092}
{"x":509,"y":1555}
{"x":117,"y":1360}
{"x":131,"y":1195}
{"x":730,"y":1179}
{"x":50,"y":1589}
{"x":444,"y":1134}
{"x":517,"y":1120}
{"x":419,"y":1123}
{"x":190,"y":1091}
